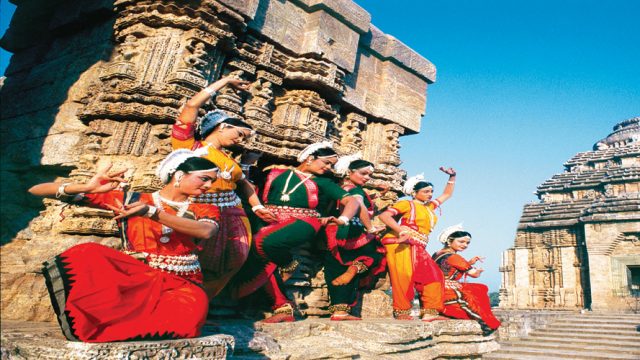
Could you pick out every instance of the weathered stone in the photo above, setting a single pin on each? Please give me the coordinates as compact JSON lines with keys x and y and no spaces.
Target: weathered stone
{"x":308,"y":339}
{"x":26,"y":340}
{"x":379,"y":339}
{"x":579,"y":247}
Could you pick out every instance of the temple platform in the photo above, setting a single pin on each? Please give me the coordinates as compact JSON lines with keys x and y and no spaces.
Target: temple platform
{"x":244,"y":339}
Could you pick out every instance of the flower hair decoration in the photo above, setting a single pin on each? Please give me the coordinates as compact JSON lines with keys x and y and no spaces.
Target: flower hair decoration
{"x":444,"y":235}
{"x":304,"y":154}
{"x":170,"y":163}
{"x":342,"y":165}
{"x":411,"y":182}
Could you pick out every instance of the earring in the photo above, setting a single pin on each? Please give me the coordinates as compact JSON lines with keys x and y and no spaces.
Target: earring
{"x":178,"y":179}
{"x":309,"y":162}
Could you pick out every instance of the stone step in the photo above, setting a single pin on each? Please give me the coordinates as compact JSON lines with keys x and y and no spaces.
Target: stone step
{"x":608,"y":316}
{"x":511,"y":356}
{"x":591,"y":327}
{"x":600,"y":348}
{"x":600,"y":336}
{"x":598,"y":321}
{"x":518,"y":351}
{"x":570,"y":330}
{"x":584,"y":341}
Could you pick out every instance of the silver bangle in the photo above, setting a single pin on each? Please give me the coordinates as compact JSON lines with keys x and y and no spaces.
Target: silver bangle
{"x":210,"y":221}
{"x":344,"y":219}
{"x":151,"y":211}
{"x":60,"y":192}
{"x":451,"y":182}
{"x":209,"y":91}
{"x":257,"y":207}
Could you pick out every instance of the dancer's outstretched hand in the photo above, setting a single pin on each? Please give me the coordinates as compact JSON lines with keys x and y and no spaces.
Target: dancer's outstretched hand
{"x":449,"y":171}
{"x":238,"y":84}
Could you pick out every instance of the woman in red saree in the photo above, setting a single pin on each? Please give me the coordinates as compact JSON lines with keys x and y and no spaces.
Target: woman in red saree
{"x":463,"y":300}
{"x":151,"y":290}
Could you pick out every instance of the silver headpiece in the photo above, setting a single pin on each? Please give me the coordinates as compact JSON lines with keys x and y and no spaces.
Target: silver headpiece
{"x":341,"y":167}
{"x":444,"y":235}
{"x":169,"y":165}
{"x":306,"y":152}
{"x":411,"y":182}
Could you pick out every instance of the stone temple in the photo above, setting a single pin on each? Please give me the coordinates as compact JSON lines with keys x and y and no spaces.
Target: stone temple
{"x":578,"y":247}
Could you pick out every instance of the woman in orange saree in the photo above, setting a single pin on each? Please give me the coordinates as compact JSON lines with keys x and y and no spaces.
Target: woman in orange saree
{"x":409,"y":264}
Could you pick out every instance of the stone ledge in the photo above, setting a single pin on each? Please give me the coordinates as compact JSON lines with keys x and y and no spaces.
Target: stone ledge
{"x":307,"y":339}
{"x":32,"y":340}
{"x":379,"y":339}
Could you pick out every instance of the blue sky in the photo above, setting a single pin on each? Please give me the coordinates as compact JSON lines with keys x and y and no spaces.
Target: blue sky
{"x":521,"y":87}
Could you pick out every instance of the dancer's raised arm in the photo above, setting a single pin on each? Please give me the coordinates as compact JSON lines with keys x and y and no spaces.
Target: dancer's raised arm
{"x":189,"y":112}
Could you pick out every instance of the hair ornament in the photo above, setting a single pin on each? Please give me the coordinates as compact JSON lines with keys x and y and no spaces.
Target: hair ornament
{"x":170,"y":163}
{"x":341,"y":167}
{"x":444,"y":235}
{"x":411,"y":182}
{"x":306,"y":152}
{"x":206,"y":123}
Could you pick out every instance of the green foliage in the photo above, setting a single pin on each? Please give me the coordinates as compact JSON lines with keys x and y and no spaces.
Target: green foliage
{"x":494,"y":298}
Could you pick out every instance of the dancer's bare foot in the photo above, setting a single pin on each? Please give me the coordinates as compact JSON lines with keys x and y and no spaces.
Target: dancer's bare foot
{"x":404,"y":317}
{"x":430,"y":318}
{"x":343,"y":316}
{"x":278,"y":318}
{"x":345,"y":278}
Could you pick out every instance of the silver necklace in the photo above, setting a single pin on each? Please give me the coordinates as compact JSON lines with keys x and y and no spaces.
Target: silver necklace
{"x":181,"y":207}
{"x":285,"y":197}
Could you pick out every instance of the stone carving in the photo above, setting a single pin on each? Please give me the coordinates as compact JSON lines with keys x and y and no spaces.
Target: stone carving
{"x":351,"y":133}
{"x":572,"y":226}
{"x":260,"y":105}
{"x":230,"y":99}
{"x":197,"y":59}
{"x":128,"y":49}
{"x":608,"y":190}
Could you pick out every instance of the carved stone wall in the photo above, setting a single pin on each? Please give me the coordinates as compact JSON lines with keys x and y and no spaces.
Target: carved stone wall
{"x":102,"y":80}
{"x":577,"y":247}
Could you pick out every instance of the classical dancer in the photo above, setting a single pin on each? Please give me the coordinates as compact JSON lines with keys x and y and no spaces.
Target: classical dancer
{"x":354,"y":256}
{"x":463,"y":300}
{"x":298,"y":198}
{"x":209,"y":136}
{"x":153,"y":288}
{"x":409,"y":264}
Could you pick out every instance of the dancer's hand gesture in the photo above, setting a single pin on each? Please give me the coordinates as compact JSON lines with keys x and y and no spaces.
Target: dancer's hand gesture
{"x":121,"y":211}
{"x":237,"y":84}
{"x":449,"y":171}
{"x":104,"y":180}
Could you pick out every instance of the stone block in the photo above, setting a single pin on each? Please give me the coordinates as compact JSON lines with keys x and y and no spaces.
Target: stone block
{"x":29,"y":340}
{"x":374,"y":339}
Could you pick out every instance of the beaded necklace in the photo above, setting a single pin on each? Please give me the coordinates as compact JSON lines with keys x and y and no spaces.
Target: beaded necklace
{"x":180,"y":206}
